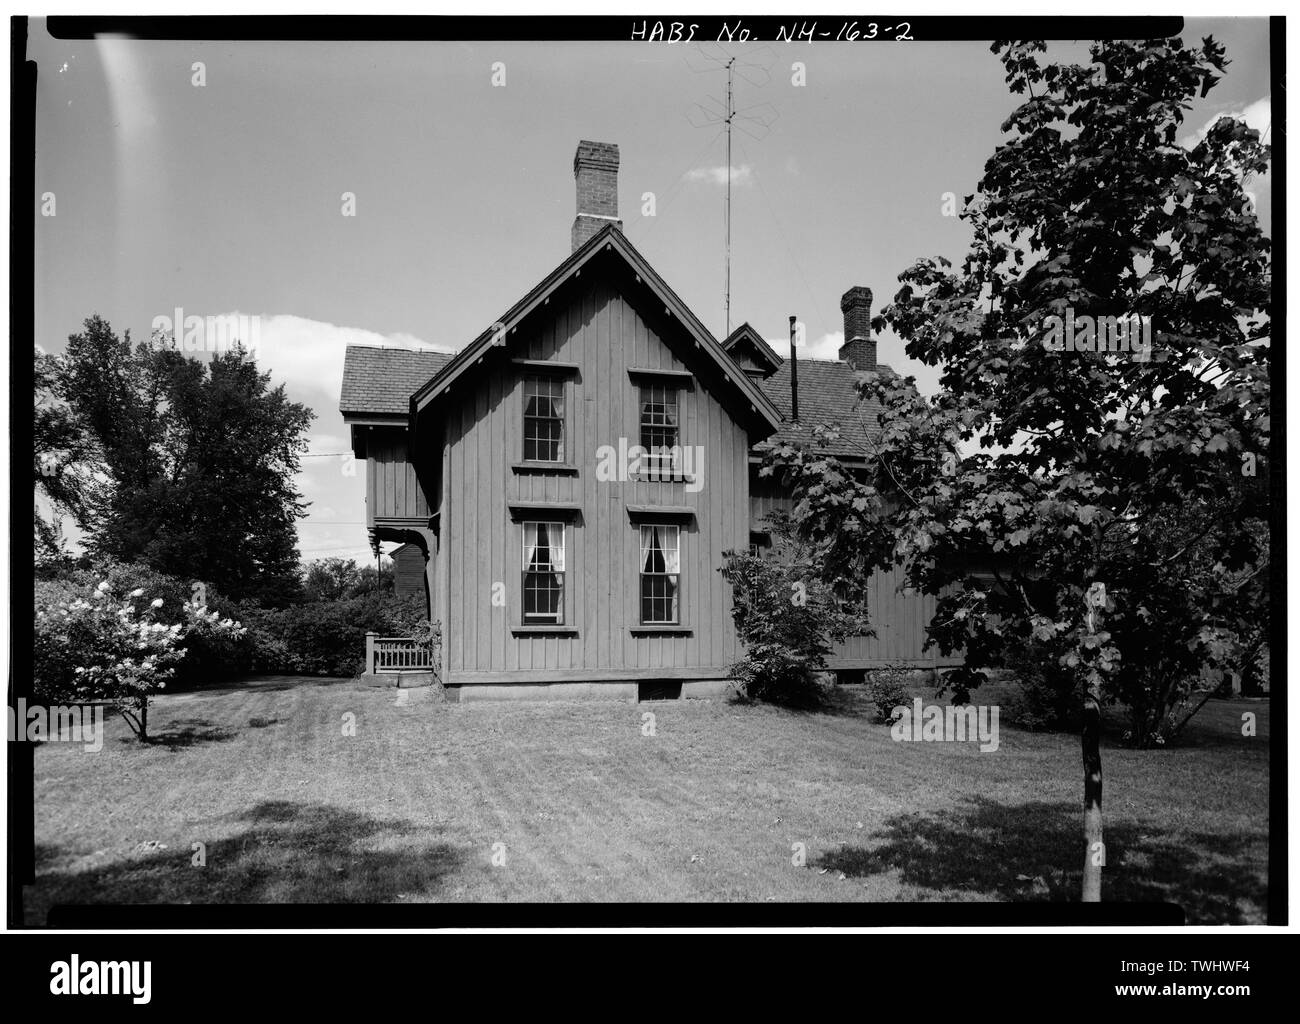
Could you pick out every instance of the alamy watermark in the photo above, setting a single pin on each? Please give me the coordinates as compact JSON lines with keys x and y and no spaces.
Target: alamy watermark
{"x":220,"y":334}
{"x":675,"y":463}
{"x":937,"y":723}
{"x":73,"y":977}
{"x":1102,"y":335}
{"x":60,"y":723}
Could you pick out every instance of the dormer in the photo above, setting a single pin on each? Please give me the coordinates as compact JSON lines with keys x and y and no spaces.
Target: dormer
{"x":751,"y":353}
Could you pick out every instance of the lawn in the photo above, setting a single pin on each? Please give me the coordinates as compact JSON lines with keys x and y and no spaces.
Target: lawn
{"x":576,"y":803}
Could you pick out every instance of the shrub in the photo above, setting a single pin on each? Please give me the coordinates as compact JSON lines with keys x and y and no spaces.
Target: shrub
{"x":98,"y":644}
{"x":327,"y":638}
{"x":886,"y":690}
{"x":1046,"y":698}
{"x":207,"y":654}
{"x":786,"y":617}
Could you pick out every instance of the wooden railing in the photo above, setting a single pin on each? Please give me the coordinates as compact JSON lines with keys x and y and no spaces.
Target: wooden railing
{"x":397,"y":654}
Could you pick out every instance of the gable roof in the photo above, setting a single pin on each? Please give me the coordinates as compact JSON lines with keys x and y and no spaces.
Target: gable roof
{"x":745,"y":337}
{"x":827,"y":395}
{"x":384,"y":382}
{"x":380,"y":381}
{"x":609,"y":240}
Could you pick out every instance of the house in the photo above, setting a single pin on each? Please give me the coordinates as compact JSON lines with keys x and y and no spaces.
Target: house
{"x":408,"y":572}
{"x":571,"y":477}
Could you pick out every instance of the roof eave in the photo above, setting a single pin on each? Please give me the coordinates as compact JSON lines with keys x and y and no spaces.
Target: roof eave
{"x":608,"y":237}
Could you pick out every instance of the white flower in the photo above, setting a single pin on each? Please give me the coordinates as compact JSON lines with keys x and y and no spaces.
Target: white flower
{"x":137,"y":592}
{"x":103,"y":586}
{"x":157,"y":602}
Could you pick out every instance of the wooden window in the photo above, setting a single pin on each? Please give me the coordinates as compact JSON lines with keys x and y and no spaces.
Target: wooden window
{"x":660,"y":573}
{"x":543,"y":566}
{"x":543,"y":419}
{"x":660,"y":436}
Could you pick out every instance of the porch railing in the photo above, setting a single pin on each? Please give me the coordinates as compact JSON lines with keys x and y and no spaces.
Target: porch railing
{"x":397,"y":654}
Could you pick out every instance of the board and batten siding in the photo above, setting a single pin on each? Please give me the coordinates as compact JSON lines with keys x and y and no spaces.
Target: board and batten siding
{"x":599,"y":330}
{"x":899,"y":619}
{"x":408,"y":571}
{"x":393,"y":490}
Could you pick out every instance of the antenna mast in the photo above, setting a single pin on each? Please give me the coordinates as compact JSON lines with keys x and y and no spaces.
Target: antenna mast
{"x":750,"y":64}
{"x":731,"y":112}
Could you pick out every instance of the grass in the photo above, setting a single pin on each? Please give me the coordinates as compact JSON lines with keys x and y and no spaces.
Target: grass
{"x":589,"y":808}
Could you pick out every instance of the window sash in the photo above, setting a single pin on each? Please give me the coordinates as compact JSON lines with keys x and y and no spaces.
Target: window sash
{"x":543,"y":575}
{"x":660,"y":423}
{"x":543,"y":419}
{"x":660,"y":567}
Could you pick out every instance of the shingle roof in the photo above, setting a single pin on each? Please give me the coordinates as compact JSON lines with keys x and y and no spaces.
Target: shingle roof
{"x":382,"y":380}
{"x":827,"y":395}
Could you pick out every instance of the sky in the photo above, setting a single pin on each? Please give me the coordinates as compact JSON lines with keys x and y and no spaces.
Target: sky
{"x":228,"y":196}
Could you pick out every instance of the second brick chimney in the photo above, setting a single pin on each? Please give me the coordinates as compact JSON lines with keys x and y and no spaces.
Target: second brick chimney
{"x":595,"y":169}
{"x":859,"y":348}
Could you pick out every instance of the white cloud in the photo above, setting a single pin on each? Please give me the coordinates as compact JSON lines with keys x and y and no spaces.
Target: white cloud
{"x":1257,"y":115}
{"x":326,"y":442}
{"x":825,"y":347}
{"x":741,"y":175}
{"x":307,"y":355}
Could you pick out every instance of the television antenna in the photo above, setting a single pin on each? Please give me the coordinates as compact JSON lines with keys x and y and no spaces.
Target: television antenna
{"x":751,"y":65}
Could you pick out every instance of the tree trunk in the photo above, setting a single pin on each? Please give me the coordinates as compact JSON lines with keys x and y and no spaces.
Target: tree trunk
{"x":144,"y":721}
{"x":1094,"y":856}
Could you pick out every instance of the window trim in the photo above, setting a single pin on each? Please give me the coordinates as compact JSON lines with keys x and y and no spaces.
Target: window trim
{"x":560,"y":624}
{"x":651,"y":468}
{"x":565,"y":462}
{"x":678,"y":623}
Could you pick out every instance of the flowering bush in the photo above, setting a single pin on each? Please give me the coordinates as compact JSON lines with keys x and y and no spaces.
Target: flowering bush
{"x":115,"y":649}
{"x":210,"y":656}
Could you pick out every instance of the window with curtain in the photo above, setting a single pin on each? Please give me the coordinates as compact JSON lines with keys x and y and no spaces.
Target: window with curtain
{"x":660,"y":573}
{"x":544,"y":573}
{"x":659,"y":432}
{"x":543,"y":419}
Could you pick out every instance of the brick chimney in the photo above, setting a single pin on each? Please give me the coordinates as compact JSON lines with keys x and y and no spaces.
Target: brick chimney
{"x":595,"y":168}
{"x":859,"y":348}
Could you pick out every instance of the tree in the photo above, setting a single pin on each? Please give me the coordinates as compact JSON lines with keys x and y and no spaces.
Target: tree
{"x":200,"y":460}
{"x":1094,"y":503}
{"x":332,"y":579}
{"x":370,"y":580}
{"x":62,"y":459}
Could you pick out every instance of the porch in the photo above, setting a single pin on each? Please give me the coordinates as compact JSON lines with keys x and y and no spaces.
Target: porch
{"x":399,"y":661}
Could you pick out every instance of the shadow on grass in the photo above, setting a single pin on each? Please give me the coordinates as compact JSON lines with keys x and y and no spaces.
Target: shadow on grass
{"x":1034,"y":851}
{"x":288,"y":853}
{"x":252,"y":684}
{"x":180,"y":733}
{"x":832,"y":701}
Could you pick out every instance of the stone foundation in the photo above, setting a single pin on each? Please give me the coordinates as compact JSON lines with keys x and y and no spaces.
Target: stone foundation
{"x":624,"y":690}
